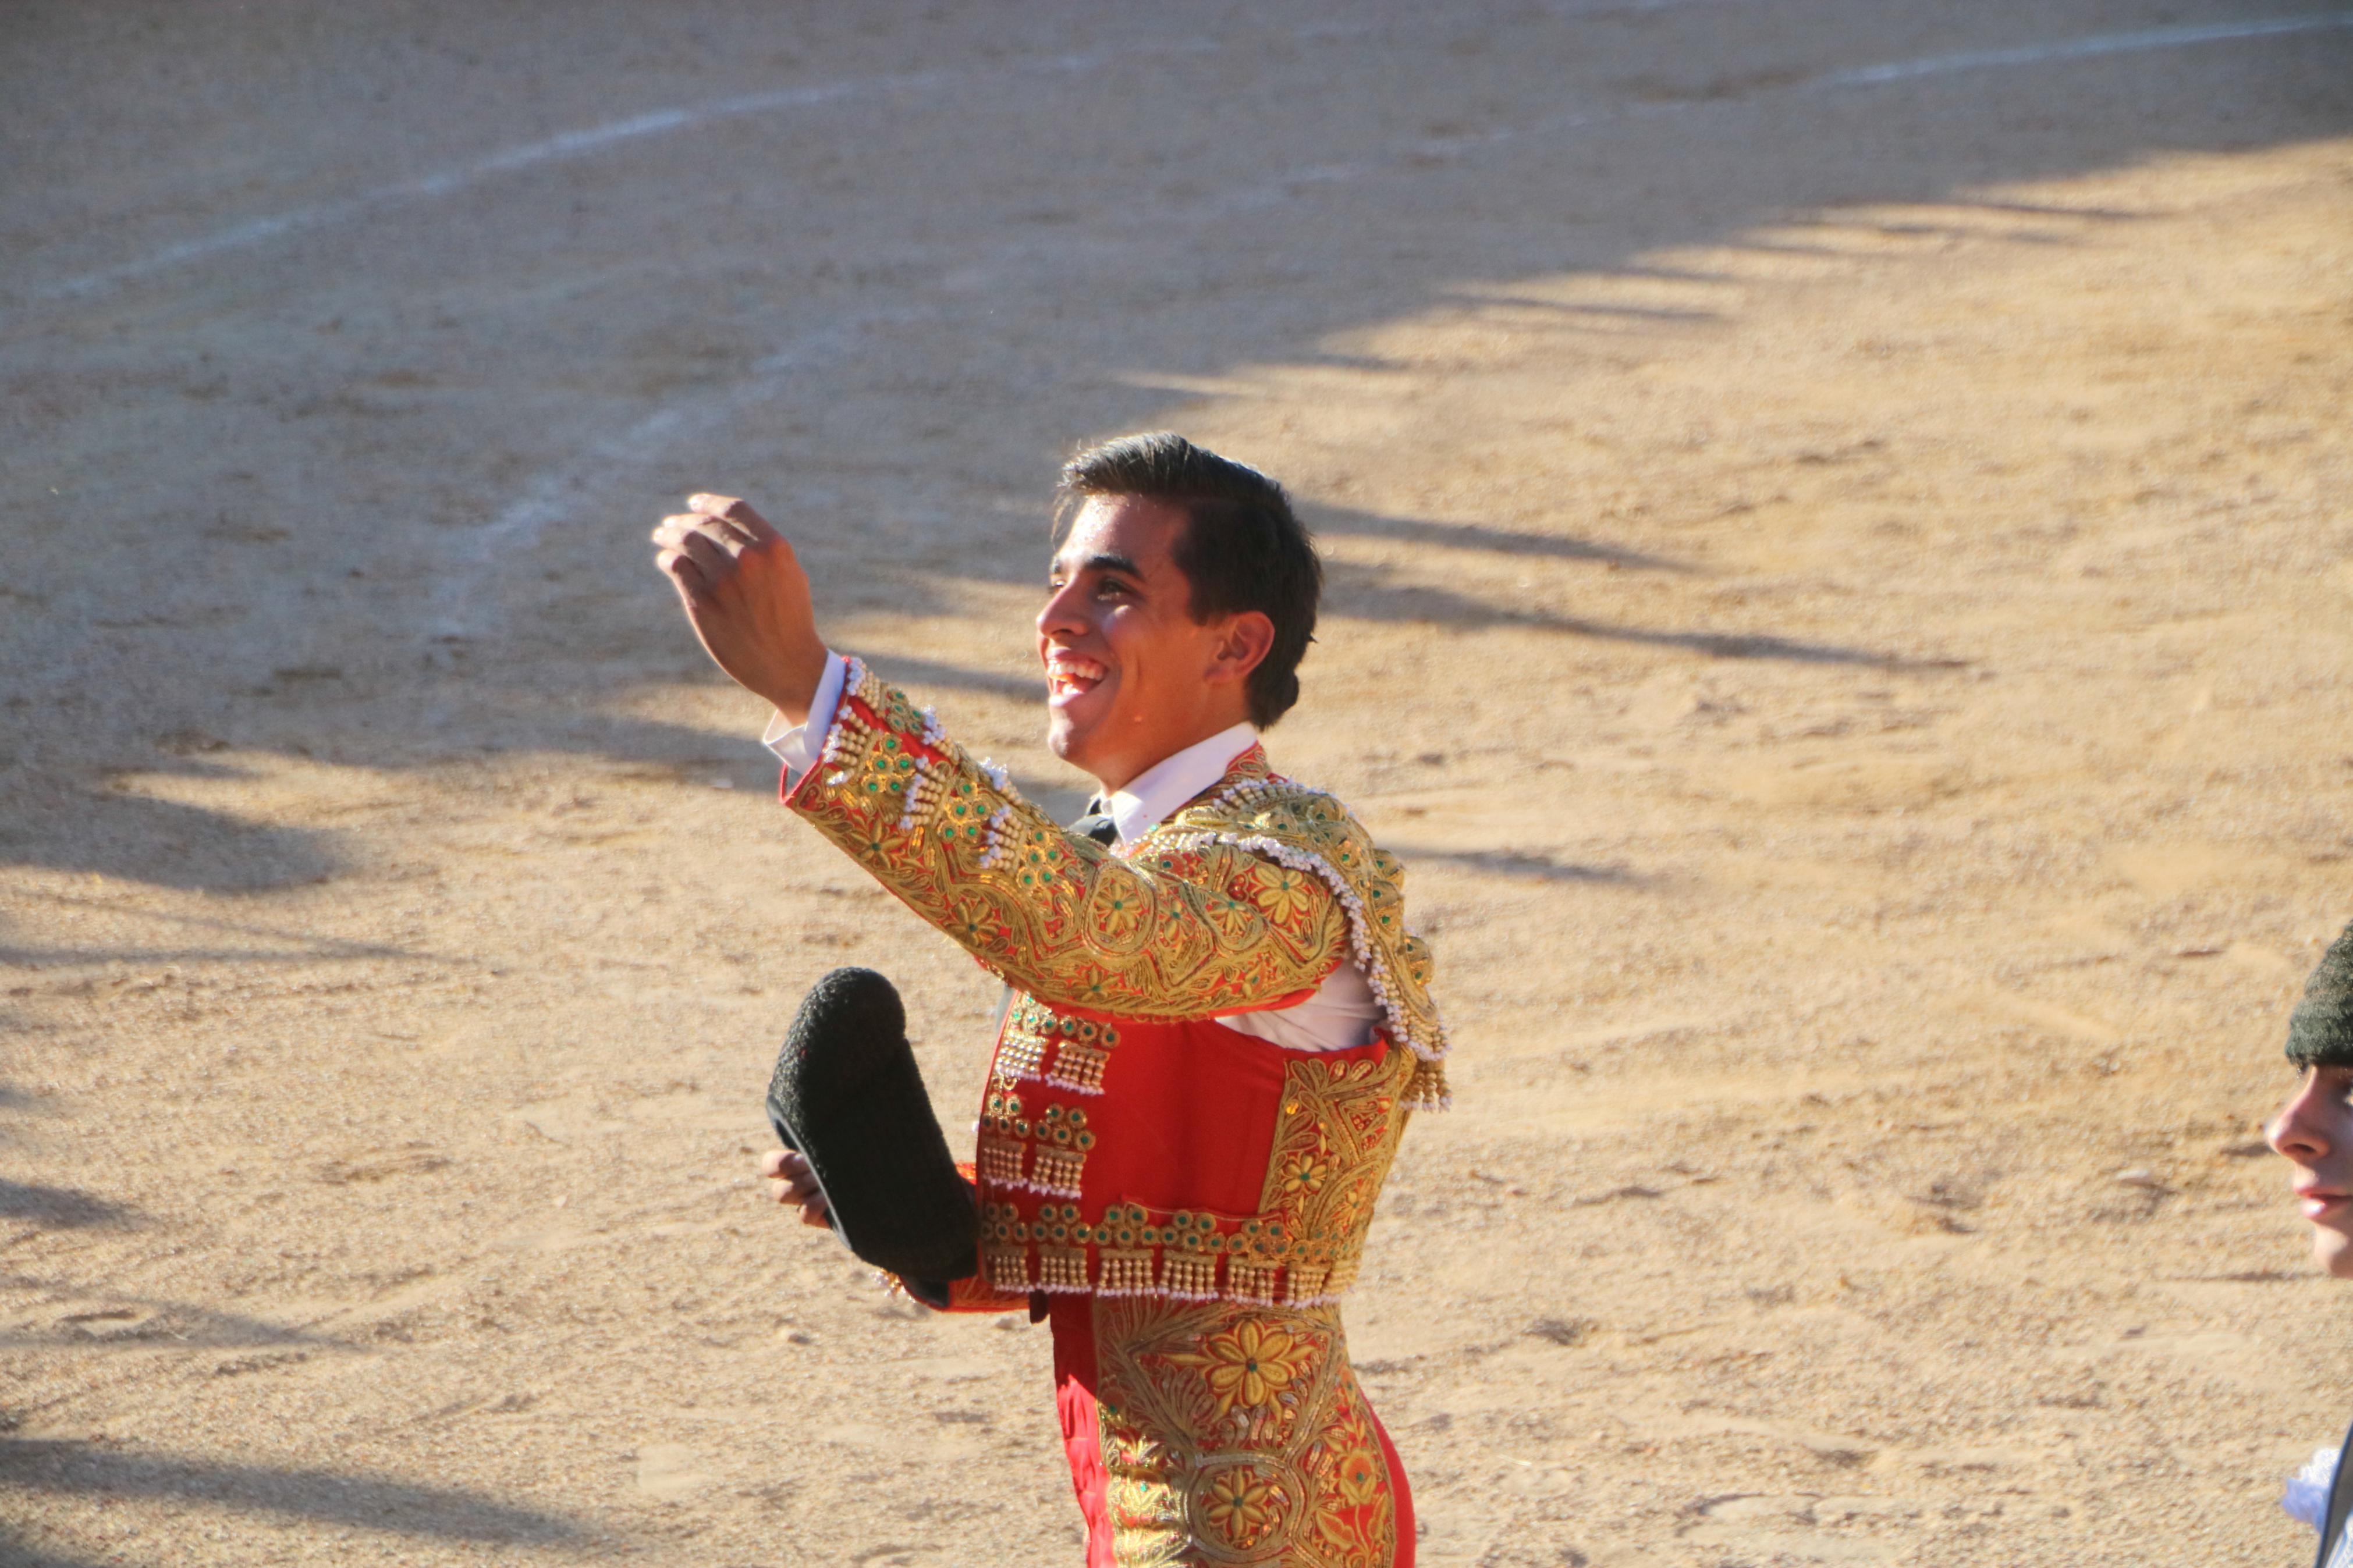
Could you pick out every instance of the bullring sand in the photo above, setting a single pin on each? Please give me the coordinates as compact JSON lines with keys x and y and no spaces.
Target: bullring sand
{"x":1841,"y":595}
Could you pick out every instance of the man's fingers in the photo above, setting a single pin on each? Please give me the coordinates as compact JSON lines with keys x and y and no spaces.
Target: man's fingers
{"x":682,"y":570}
{"x":729,"y":535}
{"x":715,"y":560}
{"x":734,"y":508}
{"x":803,"y":1196}
{"x":755,"y":528}
{"x":722,"y":520}
{"x":792,"y":1181}
{"x":675,"y":530}
{"x":791,"y":1178}
{"x":785,"y":1165}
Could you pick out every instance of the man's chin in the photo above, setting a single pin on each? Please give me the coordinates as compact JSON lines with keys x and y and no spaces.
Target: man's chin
{"x":1065,"y":737}
{"x":2333,"y":1250}
{"x":1080,"y":732}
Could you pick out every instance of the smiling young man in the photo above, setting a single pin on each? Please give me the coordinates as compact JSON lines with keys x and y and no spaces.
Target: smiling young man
{"x":2315,"y":1131}
{"x":1219,"y":1023}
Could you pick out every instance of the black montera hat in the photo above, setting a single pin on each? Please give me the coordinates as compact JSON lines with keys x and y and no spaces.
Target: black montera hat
{"x":2320,"y":1032}
{"x":848,"y":1095}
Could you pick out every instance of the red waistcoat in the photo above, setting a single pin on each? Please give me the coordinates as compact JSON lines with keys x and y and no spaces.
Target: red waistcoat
{"x":1184,"y":1159}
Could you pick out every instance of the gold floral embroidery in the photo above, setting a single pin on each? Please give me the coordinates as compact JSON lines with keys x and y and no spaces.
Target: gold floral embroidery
{"x":1303,"y":1173}
{"x":1247,"y":1366}
{"x":1204,"y":1469}
{"x":1337,"y":1130}
{"x":1242,"y":1507}
{"x":1250,"y":893}
{"x":1061,"y":917}
{"x":1119,"y":916}
{"x":1360,"y":1475}
{"x":1284,"y":895}
{"x":1312,"y":836}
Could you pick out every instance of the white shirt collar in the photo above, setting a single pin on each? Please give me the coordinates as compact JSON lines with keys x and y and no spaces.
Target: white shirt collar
{"x":1174,"y":779}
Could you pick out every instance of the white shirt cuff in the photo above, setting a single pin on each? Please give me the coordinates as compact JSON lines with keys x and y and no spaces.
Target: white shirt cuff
{"x":798,"y":746}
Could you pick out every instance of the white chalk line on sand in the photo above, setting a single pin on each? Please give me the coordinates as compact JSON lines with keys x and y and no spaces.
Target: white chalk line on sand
{"x":554,"y":495}
{"x":581,"y":143}
{"x":449,"y":181}
{"x":2086,"y":48}
{"x":573,"y":145}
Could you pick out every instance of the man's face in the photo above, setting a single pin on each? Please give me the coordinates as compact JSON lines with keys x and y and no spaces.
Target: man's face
{"x":1131,"y":676}
{"x":2315,"y":1131}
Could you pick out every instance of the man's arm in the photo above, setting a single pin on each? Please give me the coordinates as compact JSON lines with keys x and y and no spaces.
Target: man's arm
{"x":1251,"y":909}
{"x":1210,"y":929}
{"x":1199,"y":928}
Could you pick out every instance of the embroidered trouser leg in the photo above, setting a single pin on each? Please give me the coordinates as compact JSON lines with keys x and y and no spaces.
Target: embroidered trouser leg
{"x":1203,"y":1432}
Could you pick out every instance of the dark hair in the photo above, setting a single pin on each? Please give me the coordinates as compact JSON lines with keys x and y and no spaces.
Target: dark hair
{"x":1242,"y":547}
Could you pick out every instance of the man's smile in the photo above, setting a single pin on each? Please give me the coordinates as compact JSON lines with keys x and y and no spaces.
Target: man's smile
{"x":1071,"y":676}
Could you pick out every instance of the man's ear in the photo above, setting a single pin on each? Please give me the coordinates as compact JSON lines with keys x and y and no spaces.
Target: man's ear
{"x":1242,"y":647}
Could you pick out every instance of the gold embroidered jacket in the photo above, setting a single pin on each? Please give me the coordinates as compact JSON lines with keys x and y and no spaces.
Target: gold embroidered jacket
{"x":1188,"y":1201}
{"x":1247,"y":896}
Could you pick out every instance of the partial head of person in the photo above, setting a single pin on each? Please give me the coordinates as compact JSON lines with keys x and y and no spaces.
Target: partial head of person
{"x":1180,"y":599}
{"x":2314,"y":1129}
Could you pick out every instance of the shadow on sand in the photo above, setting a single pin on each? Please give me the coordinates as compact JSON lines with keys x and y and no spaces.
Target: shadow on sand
{"x":368,"y":1502}
{"x":1529,"y":866}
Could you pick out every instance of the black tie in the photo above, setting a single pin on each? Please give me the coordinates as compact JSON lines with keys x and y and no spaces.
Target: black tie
{"x":1097,"y":823}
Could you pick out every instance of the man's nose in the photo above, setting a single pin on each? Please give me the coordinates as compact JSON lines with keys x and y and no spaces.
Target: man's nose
{"x":1060,"y":613}
{"x":2295,"y":1132}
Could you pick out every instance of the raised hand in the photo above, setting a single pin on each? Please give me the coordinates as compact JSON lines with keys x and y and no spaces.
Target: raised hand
{"x":747,"y":597}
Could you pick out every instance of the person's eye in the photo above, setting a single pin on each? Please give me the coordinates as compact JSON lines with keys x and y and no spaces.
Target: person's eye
{"x":1111,"y":588}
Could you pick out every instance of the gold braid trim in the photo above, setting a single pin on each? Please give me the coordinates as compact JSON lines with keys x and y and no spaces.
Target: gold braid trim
{"x":1189,"y":1254}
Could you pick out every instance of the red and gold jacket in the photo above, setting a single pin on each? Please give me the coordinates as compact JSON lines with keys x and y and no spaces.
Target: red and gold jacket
{"x":1137,"y":1154}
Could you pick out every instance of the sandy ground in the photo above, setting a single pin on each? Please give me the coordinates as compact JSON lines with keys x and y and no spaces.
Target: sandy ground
{"x":1842,"y":592}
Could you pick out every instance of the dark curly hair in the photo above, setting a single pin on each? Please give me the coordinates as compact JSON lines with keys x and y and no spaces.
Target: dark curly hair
{"x":1243,"y":548}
